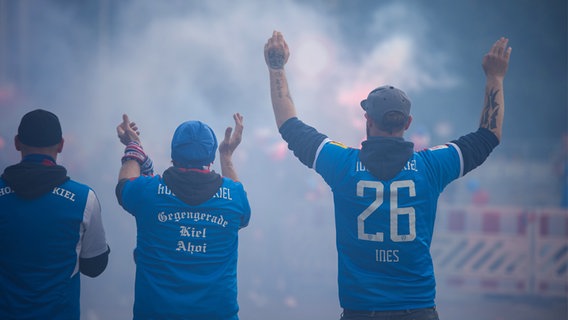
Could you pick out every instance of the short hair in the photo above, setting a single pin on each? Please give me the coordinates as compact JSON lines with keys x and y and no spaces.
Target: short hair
{"x":393,"y":121}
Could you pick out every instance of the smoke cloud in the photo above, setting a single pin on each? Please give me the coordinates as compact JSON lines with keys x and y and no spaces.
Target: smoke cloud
{"x":165,"y":62}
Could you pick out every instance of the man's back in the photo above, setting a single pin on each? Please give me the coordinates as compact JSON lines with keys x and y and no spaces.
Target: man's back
{"x":50,"y":228}
{"x":40,"y":243}
{"x":385,"y":227}
{"x":186,"y":256}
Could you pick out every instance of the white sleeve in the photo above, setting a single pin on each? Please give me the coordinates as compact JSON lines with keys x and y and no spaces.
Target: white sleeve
{"x":93,"y":240}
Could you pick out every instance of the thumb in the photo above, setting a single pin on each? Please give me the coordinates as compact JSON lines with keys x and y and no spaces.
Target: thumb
{"x":125,"y":120}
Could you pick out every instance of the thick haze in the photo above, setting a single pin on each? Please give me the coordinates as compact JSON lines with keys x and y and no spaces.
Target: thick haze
{"x":164,"y":62}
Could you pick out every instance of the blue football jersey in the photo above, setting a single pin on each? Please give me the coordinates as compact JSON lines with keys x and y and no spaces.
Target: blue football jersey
{"x":186,"y":256}
{"x":384,"y":228}
{"x":41,"y":241}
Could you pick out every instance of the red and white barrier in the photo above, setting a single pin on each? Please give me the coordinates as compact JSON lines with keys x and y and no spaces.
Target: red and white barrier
{"x":551,"y":252}
{"x":503,"y":250}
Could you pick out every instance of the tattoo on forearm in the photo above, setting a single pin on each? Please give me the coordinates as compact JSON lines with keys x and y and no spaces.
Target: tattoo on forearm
{"x":276,"y":58}
{"x":279,"y":90}
{"x":278,"y":83}
{"x":491,"y":110}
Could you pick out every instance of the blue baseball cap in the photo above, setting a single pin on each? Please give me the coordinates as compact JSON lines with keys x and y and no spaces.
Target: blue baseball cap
{"x":384,"y":99}
{"x":194,"y":144}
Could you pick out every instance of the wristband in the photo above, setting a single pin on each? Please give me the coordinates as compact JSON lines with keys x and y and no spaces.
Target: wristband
{"x":134,"y":151}
{"x":147,"y":168}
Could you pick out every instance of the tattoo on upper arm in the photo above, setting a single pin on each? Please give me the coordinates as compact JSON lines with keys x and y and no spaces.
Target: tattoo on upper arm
{"x":276,"y":58}
{"x":491,"y":110}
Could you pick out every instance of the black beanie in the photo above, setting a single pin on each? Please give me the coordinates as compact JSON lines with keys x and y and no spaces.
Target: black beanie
{"x":39,"y":128}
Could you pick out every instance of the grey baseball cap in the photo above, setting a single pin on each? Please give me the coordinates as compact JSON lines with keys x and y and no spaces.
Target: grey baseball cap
{"x":384,"y":99}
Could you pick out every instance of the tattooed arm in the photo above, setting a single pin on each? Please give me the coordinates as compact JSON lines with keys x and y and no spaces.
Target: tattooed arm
{"x":276,"y":54}
{"x":495,"y":64}
{"x":476,"y":146}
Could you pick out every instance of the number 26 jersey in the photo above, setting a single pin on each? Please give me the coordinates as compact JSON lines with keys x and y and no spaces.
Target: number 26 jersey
{"x":384,"y":228}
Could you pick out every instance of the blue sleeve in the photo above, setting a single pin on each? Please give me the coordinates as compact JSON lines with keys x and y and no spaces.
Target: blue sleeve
{"x":302,"y":139}
{"x":130,"y":192}
{"x":245,"y":206}
{"x":444,"y":164}
{"x":118,"y":191}
{"x":476,"y":147}
{"x":334,"y":161}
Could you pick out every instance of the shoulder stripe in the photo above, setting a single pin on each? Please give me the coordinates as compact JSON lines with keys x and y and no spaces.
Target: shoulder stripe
{"x":459,"y":155}
{"x":326,"y":140}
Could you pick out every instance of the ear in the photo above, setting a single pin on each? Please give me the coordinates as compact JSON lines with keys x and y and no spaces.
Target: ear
{"x":60,"y":146}
{"x":369,"y":120}
{"x":408,"y":123}
{"x":17,"y":143}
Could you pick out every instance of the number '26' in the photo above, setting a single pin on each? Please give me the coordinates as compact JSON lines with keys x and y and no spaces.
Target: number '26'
{"x":395,"y":211}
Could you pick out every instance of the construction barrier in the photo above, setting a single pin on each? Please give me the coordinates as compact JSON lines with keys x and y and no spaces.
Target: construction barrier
{"x":551,"y":252}
{"x":502,"y":250}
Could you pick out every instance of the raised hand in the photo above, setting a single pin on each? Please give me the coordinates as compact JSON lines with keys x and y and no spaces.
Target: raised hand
{"x":276,"y":51}
{"x":127,"y":131}
{"x":232,"y":139}
{"x":495,"y":64}
{"x":496,"y":61}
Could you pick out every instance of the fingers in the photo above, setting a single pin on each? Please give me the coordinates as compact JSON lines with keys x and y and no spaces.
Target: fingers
{"x":238,"y":120}
{"x":127,"y":131}
{"x":134,"y":127}
{"x":508,"y":53}
{"x":228,"y":132}
{"x":238,"y":126}
{"x":500,"y":48}
{"x":496,"y":61}
{"x":126,"y":126}
{"x":233,"y":137}
{"x":277,"y":38}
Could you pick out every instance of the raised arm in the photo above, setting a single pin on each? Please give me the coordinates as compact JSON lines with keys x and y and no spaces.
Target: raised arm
{"x":276,"y":55}
{"x":133,"y":155}
{"x":495,"y":64}
{"x":228,"y":146}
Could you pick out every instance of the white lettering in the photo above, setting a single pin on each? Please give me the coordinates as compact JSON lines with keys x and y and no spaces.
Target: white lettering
{"x":64,"y":193}
{"x":163,"y":189}
{"x":411,"y":165}
{"x":359,"y":167}
{"x":6,"y":190}
{"x":195,"y":216}
{"x":386,"y":255}
{"x":223,"y":193}
{"x":192,"y":232}
{"x":191,"y":248}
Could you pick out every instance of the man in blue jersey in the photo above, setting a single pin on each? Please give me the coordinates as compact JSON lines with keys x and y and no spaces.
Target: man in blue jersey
{"x":50,"y":228}
{"x":187,"y":220}
{"x":385,"y":194}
